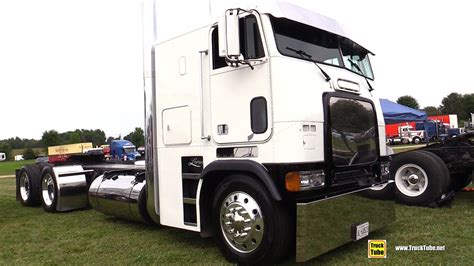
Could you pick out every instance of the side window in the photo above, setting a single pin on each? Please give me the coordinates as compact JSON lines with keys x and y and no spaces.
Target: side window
{"x":251,"y":46}
{"x":250,"y":42}
{"x":217,"y":62}
{"x":258,"y":115}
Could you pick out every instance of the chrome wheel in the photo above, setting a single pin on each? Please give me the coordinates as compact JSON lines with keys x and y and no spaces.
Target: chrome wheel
{"x":24,"y":187}
{"x":47,"y":189}
{"x":411,"y":180}
{"x":241,"y":222}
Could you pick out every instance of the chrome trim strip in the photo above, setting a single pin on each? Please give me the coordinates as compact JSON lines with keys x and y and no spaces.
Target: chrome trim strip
{"x":151,"y":153}
{"x":201,"y":95}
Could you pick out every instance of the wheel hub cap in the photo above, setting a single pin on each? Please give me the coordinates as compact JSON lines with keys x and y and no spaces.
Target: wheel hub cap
{"x":241,"y":222}
{"x":47,"y":188}
{"x":413,"y":179}
{"x":24,"y":187}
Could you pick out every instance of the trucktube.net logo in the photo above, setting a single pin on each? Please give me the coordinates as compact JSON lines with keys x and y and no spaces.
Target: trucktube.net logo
{"x":377,"y":249}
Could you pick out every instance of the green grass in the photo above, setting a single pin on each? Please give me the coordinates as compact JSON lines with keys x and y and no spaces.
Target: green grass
{"x":9,"y":167}
{"x":31,"y":236}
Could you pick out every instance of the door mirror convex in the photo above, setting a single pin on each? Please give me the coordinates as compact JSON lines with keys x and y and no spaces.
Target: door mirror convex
{"x":229,"y":38}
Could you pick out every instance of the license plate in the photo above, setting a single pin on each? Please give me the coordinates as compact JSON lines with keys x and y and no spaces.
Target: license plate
{"x":360,"y":231}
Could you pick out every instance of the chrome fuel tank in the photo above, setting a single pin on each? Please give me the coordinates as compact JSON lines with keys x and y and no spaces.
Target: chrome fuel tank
{"x":120,"y":194}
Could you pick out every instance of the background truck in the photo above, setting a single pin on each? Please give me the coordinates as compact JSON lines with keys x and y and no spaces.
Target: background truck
{"x":3,"y":156}
{"x":257,"y":134}
{"x":123,"y":150}
{"x":405,"y":134}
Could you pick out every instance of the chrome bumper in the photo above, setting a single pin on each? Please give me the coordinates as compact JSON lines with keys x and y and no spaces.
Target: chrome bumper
{"x":326,"y":224}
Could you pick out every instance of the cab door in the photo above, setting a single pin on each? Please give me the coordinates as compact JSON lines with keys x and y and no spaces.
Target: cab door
{"x":240,"y":96}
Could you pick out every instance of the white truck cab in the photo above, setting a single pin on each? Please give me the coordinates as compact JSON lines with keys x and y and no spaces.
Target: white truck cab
{"x":271,"y":101}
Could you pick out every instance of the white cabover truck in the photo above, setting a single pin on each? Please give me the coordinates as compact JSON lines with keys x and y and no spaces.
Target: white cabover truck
{"x":262,"y":130}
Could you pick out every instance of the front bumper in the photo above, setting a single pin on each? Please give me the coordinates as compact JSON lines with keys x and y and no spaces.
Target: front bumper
{"x":326,"y":224}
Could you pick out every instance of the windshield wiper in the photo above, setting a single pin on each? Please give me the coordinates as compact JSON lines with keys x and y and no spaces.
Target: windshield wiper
{"x":310,"y":57}
{"x":360,"y":71}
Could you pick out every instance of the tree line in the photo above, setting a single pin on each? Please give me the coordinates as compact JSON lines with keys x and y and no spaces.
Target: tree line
{"x":54,"y":138}
{"x":454,"y":103}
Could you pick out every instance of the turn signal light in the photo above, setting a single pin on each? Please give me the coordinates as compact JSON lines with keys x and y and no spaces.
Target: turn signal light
{"x":304,"y":180}
{"x":292,"y":181}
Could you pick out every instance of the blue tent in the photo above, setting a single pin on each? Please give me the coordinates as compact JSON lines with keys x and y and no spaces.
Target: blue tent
{"x":395,"y":113}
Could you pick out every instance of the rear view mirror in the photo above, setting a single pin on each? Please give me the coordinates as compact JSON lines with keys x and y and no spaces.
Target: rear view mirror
{"x":229,"y":38}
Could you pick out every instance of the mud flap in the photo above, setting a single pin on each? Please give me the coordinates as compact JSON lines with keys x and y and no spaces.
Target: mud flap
{"x":329,"y":223}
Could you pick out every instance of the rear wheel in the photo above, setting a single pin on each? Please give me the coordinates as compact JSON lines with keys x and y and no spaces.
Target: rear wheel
{"x":420,"y":177}
{"x":30,"y":185}
{"x":460,"y":181}
{"x":49,"y":190}
{"x":249,"y":226}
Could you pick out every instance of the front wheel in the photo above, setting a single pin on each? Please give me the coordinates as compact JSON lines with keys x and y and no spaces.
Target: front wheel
{"x":249,"y":226}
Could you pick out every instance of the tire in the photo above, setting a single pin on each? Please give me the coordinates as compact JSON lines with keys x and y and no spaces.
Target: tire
{"x":420,"y":177}
{"x":383,"y":192}
{"x":416,"y":140}
{"x":447,"y":179}
{"x":30,"y":185}
{"x":49,"y":190}
{"x":270,"y":232}
{"x":460,"y":181}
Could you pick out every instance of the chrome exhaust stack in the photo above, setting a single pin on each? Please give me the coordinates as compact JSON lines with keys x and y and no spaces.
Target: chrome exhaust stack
{"x":120,"y":194}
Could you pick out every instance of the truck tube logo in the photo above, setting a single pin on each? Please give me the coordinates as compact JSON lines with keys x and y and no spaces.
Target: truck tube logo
{"x":377,"y":249}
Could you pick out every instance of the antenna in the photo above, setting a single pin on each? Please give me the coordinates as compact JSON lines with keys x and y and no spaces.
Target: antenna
{"x":210,"y":14}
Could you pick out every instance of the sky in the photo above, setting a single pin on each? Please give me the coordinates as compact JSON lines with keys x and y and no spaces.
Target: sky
{"x":67,"y":64}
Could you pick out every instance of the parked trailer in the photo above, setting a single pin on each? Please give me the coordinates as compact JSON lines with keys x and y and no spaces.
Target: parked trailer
{"x":253,"y":136}
{"x":433,"y":174}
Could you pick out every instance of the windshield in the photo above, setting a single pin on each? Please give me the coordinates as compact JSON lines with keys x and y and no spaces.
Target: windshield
{"x":129,"y":150}
{"x":320,"y":46}
{"x":353,"y":131}
{"x":356,"y":58}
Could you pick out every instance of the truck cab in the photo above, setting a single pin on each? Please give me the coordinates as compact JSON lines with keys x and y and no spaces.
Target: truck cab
{"x":123,"y":150}
{"x":281,"y":96}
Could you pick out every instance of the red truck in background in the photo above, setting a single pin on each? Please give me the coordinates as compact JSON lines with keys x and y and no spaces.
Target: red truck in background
{"x":410,"y":132}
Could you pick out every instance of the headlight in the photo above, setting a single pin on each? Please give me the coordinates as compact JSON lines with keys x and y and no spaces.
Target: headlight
{"x":304,"y":180}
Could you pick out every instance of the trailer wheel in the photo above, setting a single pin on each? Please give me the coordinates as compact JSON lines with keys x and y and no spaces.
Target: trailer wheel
{"x":460,"y":181}
{"x":420,"y":177}
{"x":249,"y":227}
{"x":30,"y":185}
{"x":49,"y":190}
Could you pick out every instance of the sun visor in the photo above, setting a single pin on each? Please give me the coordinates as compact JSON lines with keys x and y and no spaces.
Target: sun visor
{"x":308,"y":17}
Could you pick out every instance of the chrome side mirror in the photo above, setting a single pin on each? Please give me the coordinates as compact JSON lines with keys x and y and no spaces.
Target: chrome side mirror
{"x":229,"y":36}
